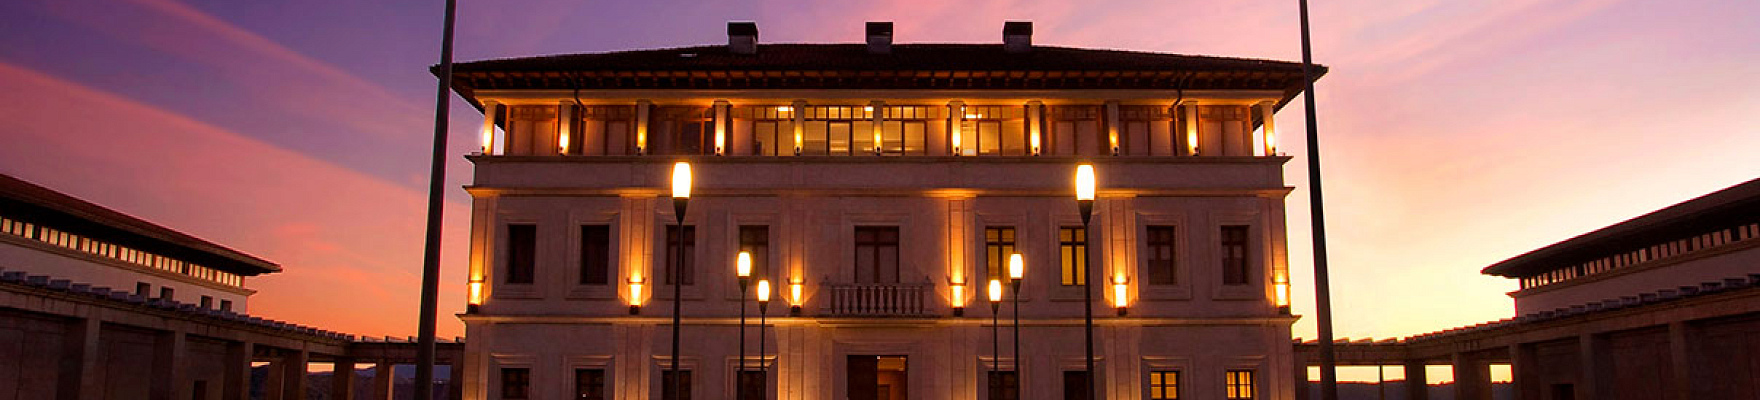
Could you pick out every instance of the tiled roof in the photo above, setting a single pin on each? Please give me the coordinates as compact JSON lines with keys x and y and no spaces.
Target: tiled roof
{"x":1736,"y":205}
{"x":61,"y":211}
{"x":21,"y":278}
{"x":855,"y":57}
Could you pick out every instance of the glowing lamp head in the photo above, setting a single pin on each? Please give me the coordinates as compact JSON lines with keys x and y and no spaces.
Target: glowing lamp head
{"x":476,"y":293}
{"x":1118,"y":292}
{"x":743,"y":265}
{"x":681,"y":180}
{"x":794,"y":291}
{"x":763,"y":290}
{"x":1016,"y":267}
{"x":995,"y":290}
{"x":1085,"y":182}
{"x":635,"y":292}
{"x":959,"y":295}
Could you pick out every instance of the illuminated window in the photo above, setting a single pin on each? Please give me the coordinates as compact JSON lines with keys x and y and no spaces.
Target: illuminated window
{"x":687,"y":271}
{"x":603,"y":130}
{"x":1240,"y":384}
{"x":994,"y":130}
{"x":1163,"y":385}
{"x":1004,"y":385}
{"x":595,"y":255}
{"x":1072,"y":246}
{"x":522,"y":249}
{"x":998,"y":244}
{"x":1234,"y":255}
{"x":837,"y":130}
{"x":516,"y":383}
{"x":1159,"y":244}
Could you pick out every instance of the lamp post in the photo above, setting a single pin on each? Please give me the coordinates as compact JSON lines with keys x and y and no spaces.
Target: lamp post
{"x":1085,"y":202}
{"x":763,"y":312}
{"x":1016,"y":270}
{"x":681,"y":198}
{"x":742,"y":268}
{"x":995,"y":324}
{"x":431,"y":245}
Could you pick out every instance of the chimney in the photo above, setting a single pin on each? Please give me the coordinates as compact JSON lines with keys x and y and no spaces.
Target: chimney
{"x":742,"y":37}
{"x":879,"y":37}
{"x":1017,"y":36}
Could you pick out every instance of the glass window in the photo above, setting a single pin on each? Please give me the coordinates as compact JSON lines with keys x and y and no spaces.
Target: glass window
{"x":1163,"y":385}
{"x":1004,"y":385}
{"x":876,"y":254}
{"x":1159,"y":244}
{"x":755,"y":239}
{"x":998,"y":244}
{"x":595,"y":254}
{"x":522,"y":249}
{"x":516,"y":383}
{"x":1240,"y":384}
{"x":167,"y":294}
{"x":666,"y":386}
{"x":589,"y":384}
{"x":1072,"y":246}
{"x":1234,"y":255}
{"x":688,"y":271}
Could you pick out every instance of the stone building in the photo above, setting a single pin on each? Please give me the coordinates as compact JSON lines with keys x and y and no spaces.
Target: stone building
{"x":878,"y":187}
{"x":1662,"y":306}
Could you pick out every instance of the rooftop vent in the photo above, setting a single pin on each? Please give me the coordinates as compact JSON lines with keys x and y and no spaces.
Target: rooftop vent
{"x":742,"y":37}
{"x":1017,"y":36}
{"x":879,"y":37}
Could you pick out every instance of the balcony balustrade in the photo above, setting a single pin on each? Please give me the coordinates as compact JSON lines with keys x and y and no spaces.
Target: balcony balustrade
{"x":880,"y":299}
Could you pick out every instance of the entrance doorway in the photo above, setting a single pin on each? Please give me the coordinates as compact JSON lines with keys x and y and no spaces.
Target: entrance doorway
{"x":877,"y":378}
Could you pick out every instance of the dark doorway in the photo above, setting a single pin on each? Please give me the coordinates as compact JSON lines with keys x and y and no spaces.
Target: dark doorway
{"x":1075,"y":386}
{"x":877,"y":378}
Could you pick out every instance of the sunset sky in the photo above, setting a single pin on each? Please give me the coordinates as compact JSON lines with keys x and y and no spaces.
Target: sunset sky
{"x":1456,"y":133}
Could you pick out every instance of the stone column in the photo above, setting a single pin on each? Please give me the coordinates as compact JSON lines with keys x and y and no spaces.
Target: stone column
{"x":1596,"y":375}
{"x":642,"y":109}
{"x":275,"y":379}
{"x":565,"y":125}
{"x":491,"y":109}
{"x":1472,"y":380}
{"x":238,"y":371}
{"x":1417,"y":380}
{"x":170,"y":367}
{"x":956,"y":116}
{"x":1111,"y":116}
{"x":1191,"y":131}
{"x":1035,"y":127}
{"x":455,"y":380}
{"x":797,"y":110}
{"x":79,"y":362}
{"x":1266,"y":110}
{"x":1679,"y":361}
{"x":342,"y":379}
{"x":383,"y":382}
{"x":1300,"y":374}
{"x":720,"y":109}
{"x":1525,"y":373}
{"x":293,"y":381}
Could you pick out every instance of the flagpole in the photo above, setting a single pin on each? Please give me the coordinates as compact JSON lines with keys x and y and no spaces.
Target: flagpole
{"x":424,"y":384}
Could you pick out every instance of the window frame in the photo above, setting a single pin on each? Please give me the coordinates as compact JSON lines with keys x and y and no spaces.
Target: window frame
{"x":606,"y":259}
{"x":1235,"y":271}
{"x":509,"y":261}
{"x":690,"y":271}
{"x":506,"y":383}
{"x":1158,"y":391}
{"x":1233,"y":389}
{"x":880,"y":245}
{"x":1072,"y":254}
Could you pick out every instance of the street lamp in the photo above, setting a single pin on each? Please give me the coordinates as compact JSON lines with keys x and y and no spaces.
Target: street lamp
{"x":743,"y":269}
{"x":1017,"y":268}
{"x":1085,"y":202}
{"x":681,"y":198}
{"x":763,"y":311}
{"x":995,"y":310}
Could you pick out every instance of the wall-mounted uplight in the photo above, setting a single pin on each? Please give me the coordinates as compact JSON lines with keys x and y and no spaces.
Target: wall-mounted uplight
{"x":475,"y":299}
{"x":635,"y":295}
{"x":795,"y":298}
{"x":1119,"y":289}
{"x":562,"y":143}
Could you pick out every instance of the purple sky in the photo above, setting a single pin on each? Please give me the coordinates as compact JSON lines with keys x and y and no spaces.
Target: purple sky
{"x":1456,"y":133}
